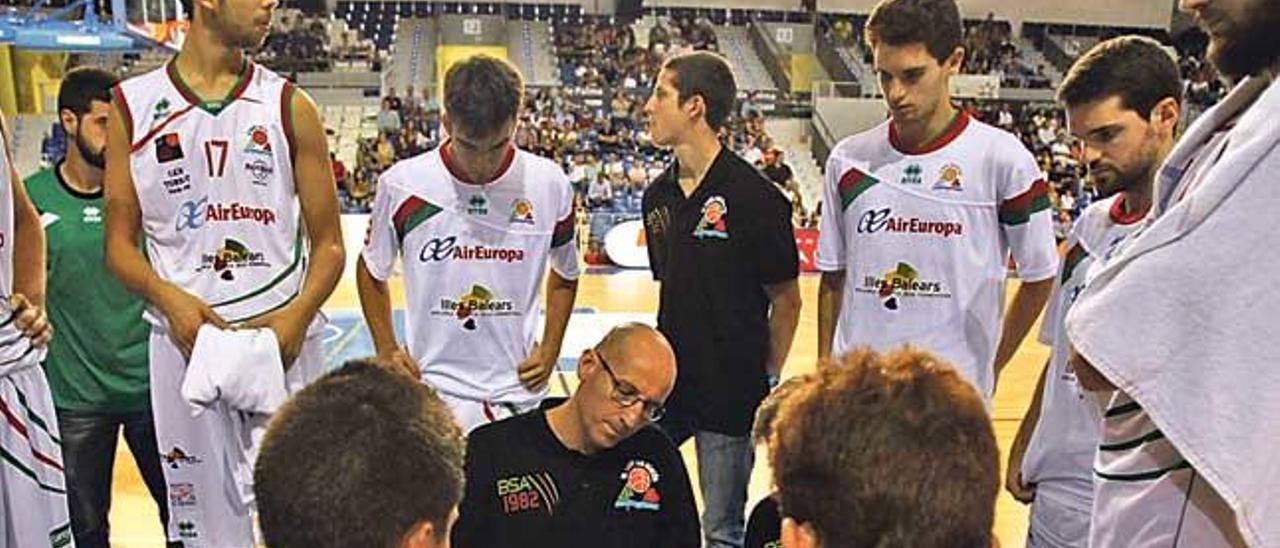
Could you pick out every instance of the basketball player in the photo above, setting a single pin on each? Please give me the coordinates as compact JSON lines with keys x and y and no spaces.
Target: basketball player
{"x":1122,"y":100}
{"x":476,"y":221}
{"x":220,"y":167}
{"x":97,"y":365}
{"x":33,"y":492}
{"x":1187,"y":456}
{"x":923,"y":210}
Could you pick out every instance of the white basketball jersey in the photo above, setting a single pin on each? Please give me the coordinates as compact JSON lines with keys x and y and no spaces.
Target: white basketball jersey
{"x":923,"y":237}
{"x":6,"y":219}
{"x":215,"y":183}
{"x":474,"y":259}
{"x":1059,"y":457}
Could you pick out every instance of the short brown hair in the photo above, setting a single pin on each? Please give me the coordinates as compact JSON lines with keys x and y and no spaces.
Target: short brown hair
{"x":706,"y":74}
{"x":893,"y":450}
{"x":934,"y":23}
{"x":358,"y":458}
{"x":482,"y":93}
{"x":1135,"y":68}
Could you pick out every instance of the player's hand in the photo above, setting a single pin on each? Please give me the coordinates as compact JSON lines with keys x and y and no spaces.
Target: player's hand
{"x":184,"y":314}
{"x":399,"y":361}
{"x":290,"y":328}
{"x":1021,"y":492}
{"x":31,"y":320}
{"x":536,"y":369}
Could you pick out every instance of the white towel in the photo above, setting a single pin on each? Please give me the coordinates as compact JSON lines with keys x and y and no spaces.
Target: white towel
{"x":241,"y":369}
{"x":239,"y":375}
{"x":1183,"y":319}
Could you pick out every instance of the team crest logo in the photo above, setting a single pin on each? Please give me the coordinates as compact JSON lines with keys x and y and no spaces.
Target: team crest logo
{"x":161,"y":110}
{"x":168,"y":148}
{"x":522,"y":211}
{"x":478,"y":204}
{"x":912,"y":175}
{"x":639,"y":492}
{"x":948,"y":178}
{"x":903,"y":281}
{"x":259,"y":141}
{"x":712,"y":224}
{"x":176,"y":458}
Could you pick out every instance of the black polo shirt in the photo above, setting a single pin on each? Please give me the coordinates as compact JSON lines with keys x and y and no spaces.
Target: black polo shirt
{"x":714,"y":252}
{"x":526,"y":489}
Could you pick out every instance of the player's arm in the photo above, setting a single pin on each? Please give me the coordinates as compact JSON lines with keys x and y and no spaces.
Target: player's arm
{"x":1028,"y":301}
{"x":784,"y":315}
{"x":831,"y":260}
{"x":562,"y":291}
{"x":28,"y":258}
{"x":375,"y":304}
{"x":314,"y":182}
{"x":1013,"y":483}
{"x":184,"y":313}
{"x":1087,"y":375}
{"x":830,"y":300}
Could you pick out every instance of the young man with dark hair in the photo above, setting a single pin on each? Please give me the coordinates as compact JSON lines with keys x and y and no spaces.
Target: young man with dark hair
{"x":1123,"y":104}
{"x":220,"y":168}
{"x":97,"y":365}
{"x":722,"y":247}
{"x":476,"y":222}
{"x":364,"y":456}
{"x":589,"y":471}
{"x":1189,"y":365}
{"x":33,"y":501}
{"x":885,"y":450}
{"x":923,"y":210}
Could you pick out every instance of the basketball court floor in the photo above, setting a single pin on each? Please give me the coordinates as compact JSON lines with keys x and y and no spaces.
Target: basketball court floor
{"x":606,"y":297}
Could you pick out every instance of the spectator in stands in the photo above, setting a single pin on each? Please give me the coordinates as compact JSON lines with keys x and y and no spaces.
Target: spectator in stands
{"x":600,"y":192}
{"x":361,"y":457}
{"x":776,"y":169}
{"x":339,"y":171}
{"x":929,"y":479}
{"x":389,"y":118}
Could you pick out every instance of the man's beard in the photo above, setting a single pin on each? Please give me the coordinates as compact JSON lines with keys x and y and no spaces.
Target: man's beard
{"x":95,"y":159}
{"x":1248,"y":47}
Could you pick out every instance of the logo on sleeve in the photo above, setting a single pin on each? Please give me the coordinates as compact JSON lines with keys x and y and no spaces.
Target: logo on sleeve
{"x":712,"y":224}
{"x":639,"y":489}
{"x":525,"y":492}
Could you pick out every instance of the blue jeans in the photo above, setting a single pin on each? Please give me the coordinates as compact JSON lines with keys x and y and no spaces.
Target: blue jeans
{"x":89,"y":453}
{"x":724,"y":470}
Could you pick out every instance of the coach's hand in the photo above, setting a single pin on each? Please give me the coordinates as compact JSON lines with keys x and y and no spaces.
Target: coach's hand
{"x":31,"y":320}
{"x":399,"y":361}
{"x":184,"y":314}
{"x":290,"y":328}
{"x":536,"y":369}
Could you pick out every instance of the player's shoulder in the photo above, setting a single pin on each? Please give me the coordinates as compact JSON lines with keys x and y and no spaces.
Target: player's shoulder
{"x":1094,"y":221}
{"x":499,"y":435}
{"x":864,"y":145}
{"x":999,"y":144}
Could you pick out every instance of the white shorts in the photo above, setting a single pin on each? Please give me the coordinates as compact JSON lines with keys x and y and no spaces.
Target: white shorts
{"x":33,"y":504}
{"x":207,"y":490}
{"x":1056,"y":522}
{"x":471,"y":414}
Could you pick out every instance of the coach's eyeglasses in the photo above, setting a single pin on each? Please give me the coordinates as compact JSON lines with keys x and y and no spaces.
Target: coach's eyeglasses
{"x":626,"y":395}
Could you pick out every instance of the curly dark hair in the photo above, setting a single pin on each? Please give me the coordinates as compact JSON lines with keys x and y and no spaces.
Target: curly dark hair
{"x":887,"y":451}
